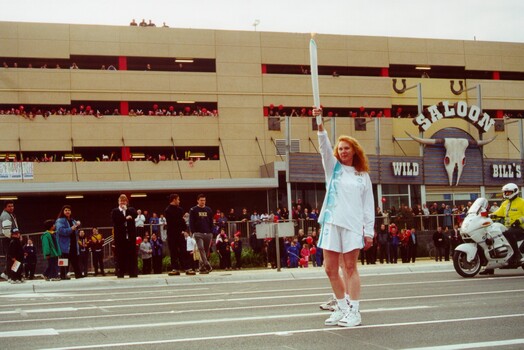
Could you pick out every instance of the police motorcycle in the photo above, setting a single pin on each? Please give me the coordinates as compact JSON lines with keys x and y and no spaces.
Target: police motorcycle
{"x":484,"y":243}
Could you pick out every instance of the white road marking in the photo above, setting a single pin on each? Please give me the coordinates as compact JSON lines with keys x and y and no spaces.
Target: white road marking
{"x":77,"y":293}
{"x":112,"y":301}
{"x":280,"y":332}
{"x":228,"y":300}
{"x":487,"y":344}
{"x":178,"y":312}
{"x":36,"y":311}
{"x":165,"y":296}
{"x":29,"y":333}
{"x":214,"y":321}
{"x":35,"y":295}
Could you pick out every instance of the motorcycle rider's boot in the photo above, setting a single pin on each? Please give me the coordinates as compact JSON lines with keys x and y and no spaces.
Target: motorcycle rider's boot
{"x":516,"y":260}
{"x":487,"y":272}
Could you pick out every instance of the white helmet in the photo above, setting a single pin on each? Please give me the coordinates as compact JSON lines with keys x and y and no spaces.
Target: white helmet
{"x":512,"y":188}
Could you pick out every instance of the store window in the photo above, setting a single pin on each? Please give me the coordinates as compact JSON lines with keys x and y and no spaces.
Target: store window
{"x":452,"y":198}
{"x":395,"y":195}
{"x":494,"y":195}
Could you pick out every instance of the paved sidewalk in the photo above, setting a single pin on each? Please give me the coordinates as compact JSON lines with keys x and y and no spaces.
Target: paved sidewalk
{"x":216,"y":276}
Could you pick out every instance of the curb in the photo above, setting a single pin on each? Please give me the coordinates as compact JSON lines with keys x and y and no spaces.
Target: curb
{"x":242,"y":276}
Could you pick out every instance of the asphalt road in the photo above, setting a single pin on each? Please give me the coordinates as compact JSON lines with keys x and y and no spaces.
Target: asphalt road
{"x":417,"y":306}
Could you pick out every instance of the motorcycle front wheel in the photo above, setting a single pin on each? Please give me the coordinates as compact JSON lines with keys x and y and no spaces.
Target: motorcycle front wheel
{"x":464,"y":267}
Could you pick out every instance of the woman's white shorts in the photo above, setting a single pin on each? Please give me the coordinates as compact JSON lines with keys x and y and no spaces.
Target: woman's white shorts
{"x":339,"y":239}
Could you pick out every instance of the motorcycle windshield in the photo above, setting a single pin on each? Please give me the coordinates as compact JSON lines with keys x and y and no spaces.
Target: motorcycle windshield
{"x":479,"y":205}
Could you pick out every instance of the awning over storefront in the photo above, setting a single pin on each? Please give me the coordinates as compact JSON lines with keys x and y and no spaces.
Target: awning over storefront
{"x":133,"y":186}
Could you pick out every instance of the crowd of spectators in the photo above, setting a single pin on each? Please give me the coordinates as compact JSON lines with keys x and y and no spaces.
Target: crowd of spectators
{"x":234,"y":228}
{"x":362,"y":112}
{"x":391,"y":244}
{"x":110,"y":67}
{"x":171,"y":111}
{"x":57,"y":66}
{"x":282,"y":111}
{"x":64,"y":64}
{"x":423,"y":217}
{"x":396,"y":235}
{"x":396,"y":232}
{"x":33,"y":111}
{"x":104,"y":157}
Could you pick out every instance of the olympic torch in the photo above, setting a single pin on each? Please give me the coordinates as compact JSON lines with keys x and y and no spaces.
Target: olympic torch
{"x":314,"y":75}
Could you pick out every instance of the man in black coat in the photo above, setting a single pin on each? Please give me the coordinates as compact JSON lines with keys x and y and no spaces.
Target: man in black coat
{"x":439,"y":241}
{"x":176,"y":225}
{"x":123,"y":218}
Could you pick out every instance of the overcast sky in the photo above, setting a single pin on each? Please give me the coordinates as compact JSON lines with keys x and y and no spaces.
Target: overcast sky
{"x":486,"y":20}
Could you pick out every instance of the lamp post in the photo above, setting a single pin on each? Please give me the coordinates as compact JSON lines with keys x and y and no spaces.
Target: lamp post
{"x":288,"y":151}
{"x":420,"y":108}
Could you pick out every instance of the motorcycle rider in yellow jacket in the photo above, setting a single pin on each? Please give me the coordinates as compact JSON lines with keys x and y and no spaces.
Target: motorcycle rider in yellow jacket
{"x":512,"y":210}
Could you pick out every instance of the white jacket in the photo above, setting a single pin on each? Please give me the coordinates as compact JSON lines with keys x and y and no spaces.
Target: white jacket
{"x":349,"y":201}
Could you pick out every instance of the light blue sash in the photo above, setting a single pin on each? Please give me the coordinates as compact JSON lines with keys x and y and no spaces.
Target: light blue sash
{"x":328,"y":206}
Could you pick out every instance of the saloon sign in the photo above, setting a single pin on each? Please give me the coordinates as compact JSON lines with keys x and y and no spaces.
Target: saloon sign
{"x":482,"y":121}
{"x":455,"y":158}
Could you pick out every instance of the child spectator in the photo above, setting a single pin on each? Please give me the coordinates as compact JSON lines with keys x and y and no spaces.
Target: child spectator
{"x":192,"y":255}
{"x":163,"y":227}
{"x":298,"y":244}
{"x":50,"y":251}
{"x":156,"y":247}
{"x":15,"y":257}
{"x":304,"y":253}
{"x":292,"y":253}
{"x":237,"y":249}
{"x":29,"y":259}
{"x":83,"y":257}
{"x":146,"y":255}
{"x":97,"y":245}
{"x":224,"y":250}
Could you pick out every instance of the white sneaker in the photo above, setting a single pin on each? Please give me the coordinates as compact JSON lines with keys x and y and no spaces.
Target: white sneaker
{"x":335,"y":317}
{"x":329,"y":305}
{"x":351,"y":319}
{"x":4,"y":276}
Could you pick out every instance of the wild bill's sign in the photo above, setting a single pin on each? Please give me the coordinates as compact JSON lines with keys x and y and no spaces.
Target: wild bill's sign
{"x":482,"y":121}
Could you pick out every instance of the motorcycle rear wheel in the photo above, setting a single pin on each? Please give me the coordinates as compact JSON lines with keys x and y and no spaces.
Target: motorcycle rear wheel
{"x":463,"y":266}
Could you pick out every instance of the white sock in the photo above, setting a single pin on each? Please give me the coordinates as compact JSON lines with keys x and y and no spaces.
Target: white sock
{"x":342,"y":304}
{"x":348,"y":299}
{"x":354,"y":305}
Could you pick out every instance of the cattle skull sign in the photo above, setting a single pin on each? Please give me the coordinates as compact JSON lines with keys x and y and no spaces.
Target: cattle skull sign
{"x":455,"y":157}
